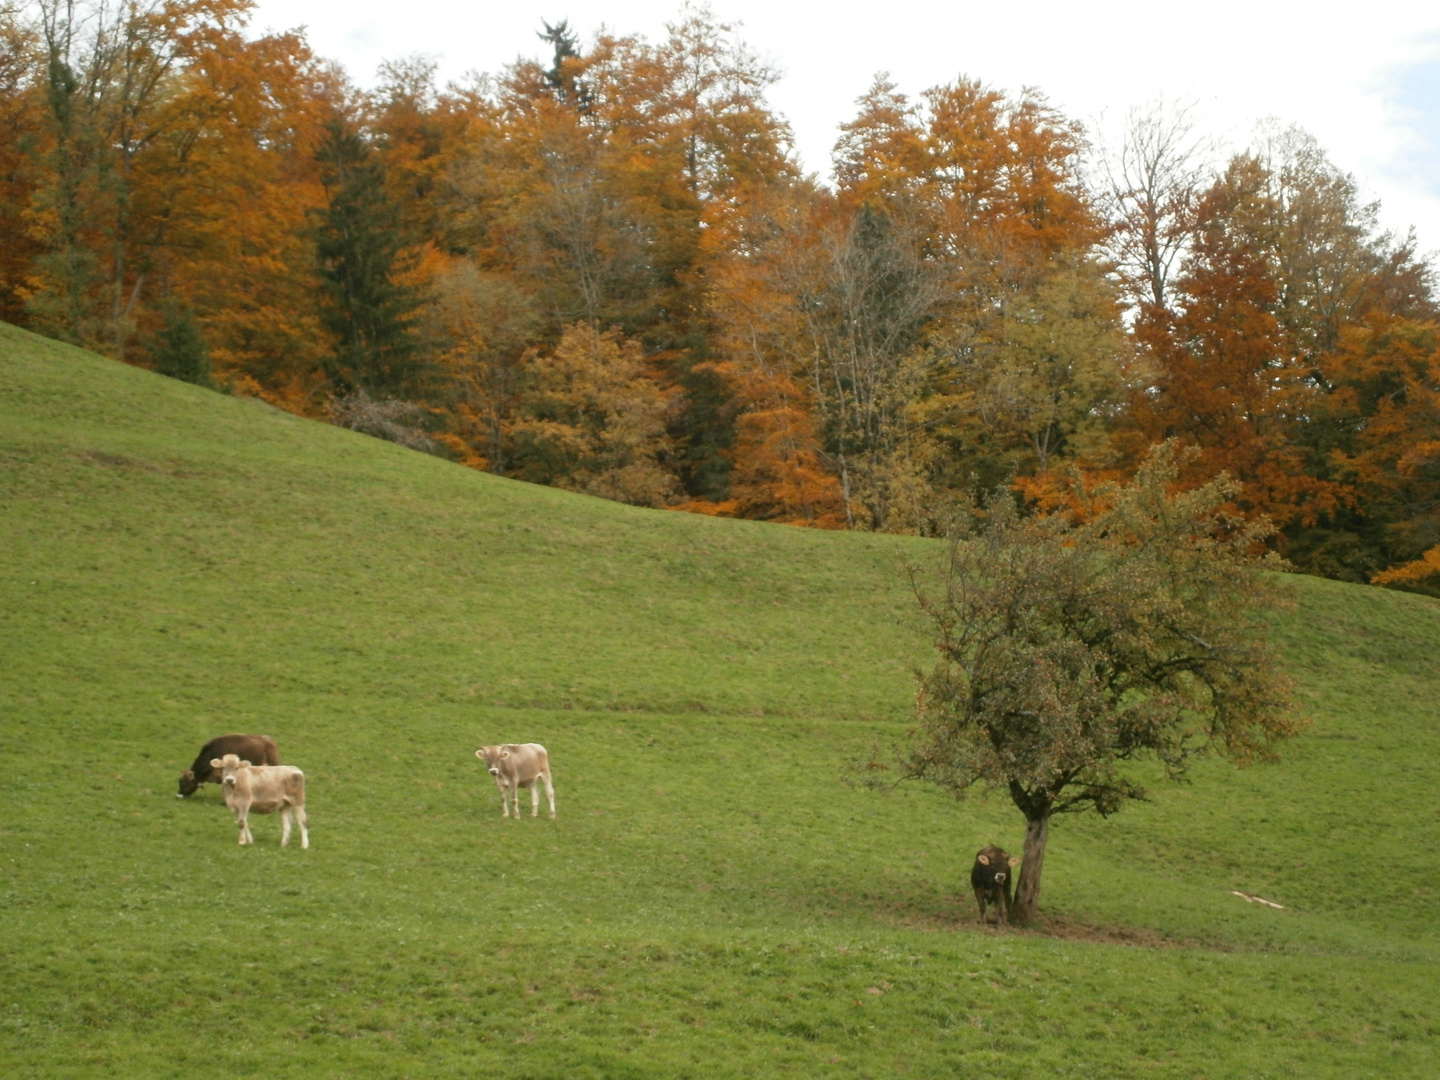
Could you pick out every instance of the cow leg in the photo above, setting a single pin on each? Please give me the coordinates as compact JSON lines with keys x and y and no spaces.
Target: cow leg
{"x":980,"y":903}
{"x":285,"y":826}
{"x":304,"y":830}
{"x":243,"y":818}
{"x":549,"y":791}
{"x":534,"y":799}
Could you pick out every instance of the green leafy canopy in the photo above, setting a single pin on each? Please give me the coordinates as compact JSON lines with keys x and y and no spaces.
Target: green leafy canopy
{"x":1068,"y":648}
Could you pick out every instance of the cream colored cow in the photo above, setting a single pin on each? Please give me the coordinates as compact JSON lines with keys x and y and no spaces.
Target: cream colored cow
{"x":515,"y":766}
{"x":263,"y":789}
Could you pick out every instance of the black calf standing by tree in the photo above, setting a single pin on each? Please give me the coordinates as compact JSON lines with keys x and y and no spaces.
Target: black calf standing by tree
{"x":1069,"y":649}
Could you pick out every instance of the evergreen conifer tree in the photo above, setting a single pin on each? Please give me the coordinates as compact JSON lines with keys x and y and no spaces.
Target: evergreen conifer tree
{"x":359,"y":243}
{"x":180,"y":350}
{"x":561,"y":77}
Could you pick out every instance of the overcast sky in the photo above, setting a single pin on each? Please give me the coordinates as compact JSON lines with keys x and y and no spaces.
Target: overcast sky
{"x":1363,"y":78}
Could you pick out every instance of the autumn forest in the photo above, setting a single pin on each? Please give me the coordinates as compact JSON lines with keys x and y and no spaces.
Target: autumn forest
{"x":606,"y":271}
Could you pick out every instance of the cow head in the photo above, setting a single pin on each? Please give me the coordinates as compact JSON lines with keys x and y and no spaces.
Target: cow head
{"x":994,"y":866}
{"x":188,"y":784}
{"x":492,"y":756}
{"x":229,"y":765}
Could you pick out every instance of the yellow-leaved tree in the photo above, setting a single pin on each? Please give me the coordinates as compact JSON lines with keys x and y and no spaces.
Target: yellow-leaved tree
{"x":590,"y":420}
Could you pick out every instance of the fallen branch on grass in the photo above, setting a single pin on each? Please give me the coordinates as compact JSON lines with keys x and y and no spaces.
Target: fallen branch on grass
{"x":1256,"y":900}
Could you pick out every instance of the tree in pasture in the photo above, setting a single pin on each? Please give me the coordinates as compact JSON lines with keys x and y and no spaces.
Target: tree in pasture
{"x":1068,"y":651}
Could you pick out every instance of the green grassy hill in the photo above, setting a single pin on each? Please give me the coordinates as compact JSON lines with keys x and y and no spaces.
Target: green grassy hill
{"x":718,"y":897}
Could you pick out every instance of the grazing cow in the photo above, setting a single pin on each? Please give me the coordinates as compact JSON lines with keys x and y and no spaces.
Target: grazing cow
{"x":515,"y":766}
{"x":264,"y":789}
{"x":990,"y":878}
{"x":257,"y":748}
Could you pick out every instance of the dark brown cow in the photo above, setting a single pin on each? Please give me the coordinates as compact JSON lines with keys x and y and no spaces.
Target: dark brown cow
{"x":258,"y":749}
{"x":990,"y":878}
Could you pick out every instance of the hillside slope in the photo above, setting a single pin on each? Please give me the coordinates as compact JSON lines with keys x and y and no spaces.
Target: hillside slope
{"x":718,"y":897}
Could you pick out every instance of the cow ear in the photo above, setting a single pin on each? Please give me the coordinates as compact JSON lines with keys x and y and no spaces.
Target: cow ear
{"x":480,"y":753}
{"x":216,"y":763}
{"x":983,"y":860}
{"x":1014,"y":861}
{"x":189,"y":774}
{"x":504,"y":753}
{"x":245,"y":765}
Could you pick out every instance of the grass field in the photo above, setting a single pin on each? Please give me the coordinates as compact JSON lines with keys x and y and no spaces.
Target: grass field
{"x":718,"y":897}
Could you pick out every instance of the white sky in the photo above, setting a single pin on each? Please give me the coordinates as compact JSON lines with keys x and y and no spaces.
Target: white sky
{"x":1363,"y":78}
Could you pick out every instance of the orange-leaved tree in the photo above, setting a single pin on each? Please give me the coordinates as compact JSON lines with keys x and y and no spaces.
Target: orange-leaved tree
{"x":1227,"y":376}
{"x":779,"y":468}
{"x":1383,"y":410}
{"x":591,"y":420}
{"x":241,"y":253}
{"x":114,"y":156}
{"x":21,"y":116}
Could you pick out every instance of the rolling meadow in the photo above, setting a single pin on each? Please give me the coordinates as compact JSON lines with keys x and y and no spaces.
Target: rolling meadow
{"x":722,"y":893}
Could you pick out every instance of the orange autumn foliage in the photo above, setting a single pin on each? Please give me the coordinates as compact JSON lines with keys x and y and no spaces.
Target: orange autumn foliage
{"x":1415,"y":572}
{"x":778,"y":467}
{"x":1228,"y":382}
{"x":241,"y":252}
{"x":1385,"y":405}
{"x":20,"y":123}
{"x":623,"y":227}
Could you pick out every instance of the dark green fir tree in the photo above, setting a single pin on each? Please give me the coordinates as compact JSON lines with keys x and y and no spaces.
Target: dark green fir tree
{"x":359,"y":243}
{"x":179,"y":350}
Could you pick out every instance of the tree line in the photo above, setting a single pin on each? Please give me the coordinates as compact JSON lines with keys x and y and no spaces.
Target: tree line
{"x":606,"y":271}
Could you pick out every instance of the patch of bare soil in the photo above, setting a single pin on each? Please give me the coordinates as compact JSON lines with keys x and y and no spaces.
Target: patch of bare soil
{"x":116,"y":461}
{"x":1074,"y":930}
{"x":129,"y":464}
{"x":960,"y":914}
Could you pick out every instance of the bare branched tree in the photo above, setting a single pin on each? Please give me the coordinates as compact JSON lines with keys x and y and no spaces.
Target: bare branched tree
{"x":1149,"y":190}
{"x":866,"y":293}
{"x":388,"y":419}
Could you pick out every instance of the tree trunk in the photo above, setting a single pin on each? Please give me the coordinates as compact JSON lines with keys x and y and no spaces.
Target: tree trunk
{"x":1027,"y":893}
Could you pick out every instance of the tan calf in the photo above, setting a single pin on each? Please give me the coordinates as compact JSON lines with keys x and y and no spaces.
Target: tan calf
{"x":515,"y":766}
{"x":263,"y":789}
